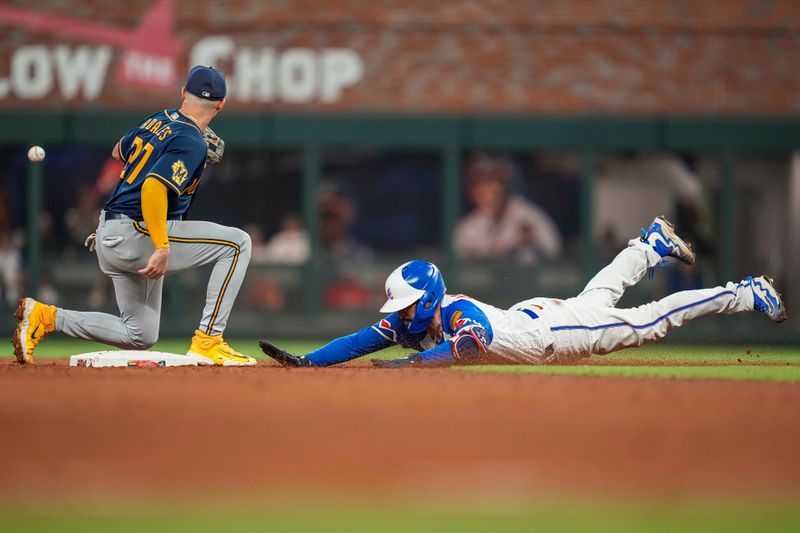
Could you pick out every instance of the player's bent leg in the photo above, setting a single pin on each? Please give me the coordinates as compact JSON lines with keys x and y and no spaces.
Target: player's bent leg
{"x":224,"y":284}
{"x":657,"y":242}
{"x":131,"y":334}
{"x":624,"y":328}
{"x":138,"y":298}
{"x":195,"y":243}
{"x":627,"y":269}
{"x":139,"y":302}
{"x":612,"y":329}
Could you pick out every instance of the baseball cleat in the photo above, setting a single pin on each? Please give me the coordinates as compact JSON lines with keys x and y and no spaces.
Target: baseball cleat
{"x":217,"y":351}
{"x":662,"y":237}
{"x":35,"y":321}
{"x":282,"y":356}
{"x":766,"y":299}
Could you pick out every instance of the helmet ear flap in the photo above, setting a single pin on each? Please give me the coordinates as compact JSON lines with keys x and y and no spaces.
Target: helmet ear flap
{"x":420,"y":283}
{"x":427,"y":305}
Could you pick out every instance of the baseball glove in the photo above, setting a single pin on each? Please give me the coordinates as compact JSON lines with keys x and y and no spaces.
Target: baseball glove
{"x":216,"y":146}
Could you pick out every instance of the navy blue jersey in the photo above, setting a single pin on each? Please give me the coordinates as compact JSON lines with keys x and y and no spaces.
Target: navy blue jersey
{"x":166,"y":146}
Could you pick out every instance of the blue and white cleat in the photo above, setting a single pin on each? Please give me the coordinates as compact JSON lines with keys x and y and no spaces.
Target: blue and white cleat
{"x":766,"y":299}
{"x":662,"y":237}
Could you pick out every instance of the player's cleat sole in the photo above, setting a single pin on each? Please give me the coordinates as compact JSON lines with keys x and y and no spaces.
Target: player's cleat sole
{"x":766,"y":299}
{"x":34,"y":322}
{"x":662,"y":237}
{"x":18,"y":338}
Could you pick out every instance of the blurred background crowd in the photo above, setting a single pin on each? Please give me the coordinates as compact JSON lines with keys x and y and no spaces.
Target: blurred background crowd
{"x":525,"y":218}
{"x":517,"y":233}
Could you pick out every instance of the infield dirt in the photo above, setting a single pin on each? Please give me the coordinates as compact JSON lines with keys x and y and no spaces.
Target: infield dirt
{"x":83,"y":434}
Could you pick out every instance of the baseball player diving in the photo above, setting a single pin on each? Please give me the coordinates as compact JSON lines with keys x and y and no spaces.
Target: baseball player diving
{"x":449,"y":329}
{"x":143,"y":235}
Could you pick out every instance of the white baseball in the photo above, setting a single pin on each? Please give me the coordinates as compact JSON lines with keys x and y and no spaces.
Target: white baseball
{"x":36,"y":154}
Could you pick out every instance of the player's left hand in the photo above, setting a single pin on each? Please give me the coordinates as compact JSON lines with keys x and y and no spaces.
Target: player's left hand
{"x":157,"y":264}
{"x":411,"y":360}
{"x":216,"y":146}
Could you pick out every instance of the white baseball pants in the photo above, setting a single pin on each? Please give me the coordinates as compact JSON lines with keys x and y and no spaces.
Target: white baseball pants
{"x":590,"y":324}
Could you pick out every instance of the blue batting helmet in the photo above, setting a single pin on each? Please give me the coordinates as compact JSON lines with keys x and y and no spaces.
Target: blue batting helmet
{"x":415,"y":281}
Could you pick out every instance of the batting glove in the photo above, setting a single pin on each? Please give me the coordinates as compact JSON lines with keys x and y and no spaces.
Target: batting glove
{"x":282,"y":356}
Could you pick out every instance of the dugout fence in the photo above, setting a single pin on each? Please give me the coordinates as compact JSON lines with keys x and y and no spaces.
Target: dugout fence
{"x":447,"y":138}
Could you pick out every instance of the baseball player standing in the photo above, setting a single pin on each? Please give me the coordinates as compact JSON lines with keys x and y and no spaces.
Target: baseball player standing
{"x":447,"y":329}
{"x":143,"y":234}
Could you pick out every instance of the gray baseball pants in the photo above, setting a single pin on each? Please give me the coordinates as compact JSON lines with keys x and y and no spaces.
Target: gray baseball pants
{"x":124,"y":247}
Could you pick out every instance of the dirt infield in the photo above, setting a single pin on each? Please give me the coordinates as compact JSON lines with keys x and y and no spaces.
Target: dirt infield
{"x":428,"y":433}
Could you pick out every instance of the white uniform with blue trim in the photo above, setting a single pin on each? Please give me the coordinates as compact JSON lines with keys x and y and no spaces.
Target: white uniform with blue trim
{"x":590,"y":324}
{"x":517,"y":334}
{"x":546,"y":330}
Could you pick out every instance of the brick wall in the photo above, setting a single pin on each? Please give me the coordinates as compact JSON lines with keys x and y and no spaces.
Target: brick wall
{"x":561,"y":56}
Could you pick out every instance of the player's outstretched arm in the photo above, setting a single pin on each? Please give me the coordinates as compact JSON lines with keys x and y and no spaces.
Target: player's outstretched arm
{"x":363,"y":342}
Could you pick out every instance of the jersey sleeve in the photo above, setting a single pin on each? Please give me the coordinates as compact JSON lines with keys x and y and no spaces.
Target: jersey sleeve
{"x":125,"y":144}
{"x":441,"y":354}
{"x":370,"y":339}
{"x":178,"y":162}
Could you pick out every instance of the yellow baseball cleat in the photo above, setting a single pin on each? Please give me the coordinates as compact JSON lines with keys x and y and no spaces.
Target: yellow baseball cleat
{"x":217,"y":351}
{"x":35,"y":321}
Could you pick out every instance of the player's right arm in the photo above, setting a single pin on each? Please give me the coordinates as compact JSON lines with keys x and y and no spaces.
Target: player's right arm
{"x":170,"y":174}
{"x":122,"y":149}
{"x":378,"y":336}
{"x":154,"y":213}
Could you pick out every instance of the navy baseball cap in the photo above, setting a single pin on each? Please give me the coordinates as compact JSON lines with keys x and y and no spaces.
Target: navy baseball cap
{"x":206,"y":82}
